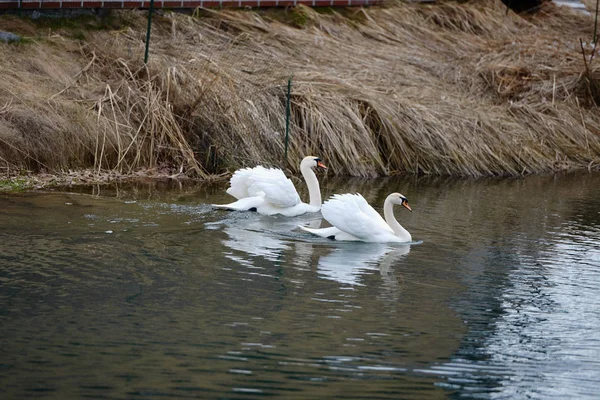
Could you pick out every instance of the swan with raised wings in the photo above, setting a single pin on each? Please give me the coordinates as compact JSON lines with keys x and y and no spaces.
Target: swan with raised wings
{"x":354,"y":219}
{"x":269,"y":192}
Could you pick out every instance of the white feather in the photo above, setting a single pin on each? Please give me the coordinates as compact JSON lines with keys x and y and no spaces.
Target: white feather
{"x":354,"y":219}
{"x":352,"y":214}
{"x":268,"y":182}
{"x":269,"y":192}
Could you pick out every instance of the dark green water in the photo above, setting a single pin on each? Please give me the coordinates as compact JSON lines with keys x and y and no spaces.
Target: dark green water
{"x":142,"y":292}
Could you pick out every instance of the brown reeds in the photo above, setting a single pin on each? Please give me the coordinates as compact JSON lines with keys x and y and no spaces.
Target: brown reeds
{"x":449,"y":89}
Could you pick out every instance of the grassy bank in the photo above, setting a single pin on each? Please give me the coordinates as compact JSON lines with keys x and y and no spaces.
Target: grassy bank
{"x":447,"y":89}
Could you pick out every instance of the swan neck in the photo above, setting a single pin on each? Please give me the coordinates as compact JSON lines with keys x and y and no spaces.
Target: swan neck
{"x":388,"y":213}
{"x":313,"y":186}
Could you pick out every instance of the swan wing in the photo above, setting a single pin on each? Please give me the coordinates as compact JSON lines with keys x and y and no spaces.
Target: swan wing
{"x":366,"y":208}
{"x":352,"y":214}
{"x":271,"y":183}
{"x":240,"y":181}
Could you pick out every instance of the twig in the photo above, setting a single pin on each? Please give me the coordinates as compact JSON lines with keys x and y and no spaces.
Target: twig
{"x":6,"y":107}
{"x":553,"y":89}
{"x":587,"y":144}
{"x":75,"y":77}
{"x":593,"y":50}
{"x":26,"y":155}
{"x":587,"y":70}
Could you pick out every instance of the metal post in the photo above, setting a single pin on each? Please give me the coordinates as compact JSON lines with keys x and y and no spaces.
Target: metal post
{"x":287,"y":116}
{"x":595,"y":25}
{"x":150,"y":11}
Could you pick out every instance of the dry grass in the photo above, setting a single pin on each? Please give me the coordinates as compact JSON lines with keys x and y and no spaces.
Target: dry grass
{"x":447,"y":89}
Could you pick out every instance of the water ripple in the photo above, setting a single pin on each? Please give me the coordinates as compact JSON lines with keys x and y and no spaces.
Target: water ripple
{"x":498,"y":298}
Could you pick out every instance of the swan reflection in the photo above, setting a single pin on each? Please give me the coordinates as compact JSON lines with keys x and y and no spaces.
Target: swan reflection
{"x":255,"y":243}
{"x":346,"y":264}
{"x":277,"y":239}
{"x":266,"y":237}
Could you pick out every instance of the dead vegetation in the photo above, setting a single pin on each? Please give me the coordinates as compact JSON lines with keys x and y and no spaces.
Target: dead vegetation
{"x":446,"y":89}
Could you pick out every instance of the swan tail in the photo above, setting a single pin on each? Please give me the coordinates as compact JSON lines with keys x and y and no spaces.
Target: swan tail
{"x":245,"y":204}
{"x":331,"y":233}
{"x":322,"y":232}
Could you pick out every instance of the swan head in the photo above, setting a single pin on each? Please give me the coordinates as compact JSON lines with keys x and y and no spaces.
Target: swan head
{"x":400,"y":199}
{"x":312,"y":162}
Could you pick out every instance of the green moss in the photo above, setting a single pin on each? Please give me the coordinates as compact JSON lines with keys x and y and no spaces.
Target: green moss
{"x":14,"y":184}
{"x":23,"y":41}
{"x":83,"y":23}
{"x":297,"y":17}
{"x":78,"y":35}
{"x":289,"y":16}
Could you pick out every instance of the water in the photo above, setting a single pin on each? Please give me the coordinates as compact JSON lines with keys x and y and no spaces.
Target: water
{"x":137,"y":292}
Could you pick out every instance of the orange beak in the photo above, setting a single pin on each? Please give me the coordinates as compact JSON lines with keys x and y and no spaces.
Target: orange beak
{"x":405,"y":204}
{"x":321,"y":165}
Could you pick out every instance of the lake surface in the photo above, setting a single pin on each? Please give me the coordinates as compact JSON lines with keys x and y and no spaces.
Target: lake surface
{"x":143,"y":291}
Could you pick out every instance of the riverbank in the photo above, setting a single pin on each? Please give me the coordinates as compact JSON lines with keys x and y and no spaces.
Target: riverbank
{"x":462,"y":89}
{"x":19,"y":181}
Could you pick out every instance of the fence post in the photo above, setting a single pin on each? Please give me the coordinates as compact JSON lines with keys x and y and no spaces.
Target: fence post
{"x":287,"y":116}
{"x":595,"y":39}
{"x":150,"y":11}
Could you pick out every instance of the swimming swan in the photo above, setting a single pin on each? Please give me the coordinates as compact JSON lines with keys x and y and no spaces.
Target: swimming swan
{"x":269,"y":192}
{"x":354,"y":219}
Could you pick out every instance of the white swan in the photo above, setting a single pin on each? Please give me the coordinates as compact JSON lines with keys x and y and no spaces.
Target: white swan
{"x":269,"y":192}
{"x":354,"y":219}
